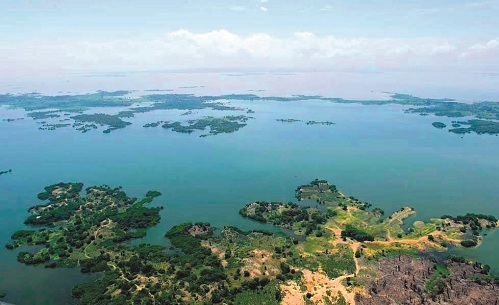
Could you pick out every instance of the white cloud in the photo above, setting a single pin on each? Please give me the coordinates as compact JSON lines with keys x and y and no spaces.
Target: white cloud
{"x":484,"y":51}
{"x":263,"y":8}
{"x":264,"y":1}
{"x":224,"y":50}
{"x":491,"y":44}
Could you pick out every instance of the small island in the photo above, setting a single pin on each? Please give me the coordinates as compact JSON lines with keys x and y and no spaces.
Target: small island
{"x":47,"y":126}
{"x":327,"y":123}
{"x":226,"y":124}
{"x":9,"y":120}
{"x":5,"y":172}
{"x":152,"y":125}
{"x":288,"y":120}
{"x":439,"y":125}
{"x":112,"y":121}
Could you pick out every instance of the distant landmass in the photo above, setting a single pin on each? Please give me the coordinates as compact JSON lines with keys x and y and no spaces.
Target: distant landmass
{"x":68,"y":110}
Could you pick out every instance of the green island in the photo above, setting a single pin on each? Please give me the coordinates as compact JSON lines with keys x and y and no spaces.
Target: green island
{"x":5,"y":172}
{"x":439,"y":125}
{"x":9,"y":120}
{"x":152,"y":125}
{"x":451,"y":109}
{"x":71,"y":103}
{"x":112,"y":121}
{"x":40,"y":107}
{"x":288,"y":120}
{"x":46,"y":126}
{"x":306,"y":123}
{"x":340,"y":251}
{"x":226,"y":124}
{"x":327,"y":123}
{"x":476,"y":126}
{"x":41,"y":115}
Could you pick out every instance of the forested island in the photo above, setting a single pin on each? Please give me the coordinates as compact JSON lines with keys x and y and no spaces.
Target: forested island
{"x":341,"y":251}
{"x":439,"y":125}
{"x":306,"y":123}
{"x":476,"y":126}
{"x":226,"y":124}
{"x":484,"y":115}
{"x":288,"y":120}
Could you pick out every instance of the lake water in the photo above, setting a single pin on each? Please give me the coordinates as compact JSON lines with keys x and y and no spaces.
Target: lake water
{"x":375,"y":153}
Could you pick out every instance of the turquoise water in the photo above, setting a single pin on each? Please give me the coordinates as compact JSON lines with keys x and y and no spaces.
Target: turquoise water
{"x":375,"y":153}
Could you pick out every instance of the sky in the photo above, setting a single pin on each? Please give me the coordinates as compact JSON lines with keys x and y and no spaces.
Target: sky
{"x":52,"y":36}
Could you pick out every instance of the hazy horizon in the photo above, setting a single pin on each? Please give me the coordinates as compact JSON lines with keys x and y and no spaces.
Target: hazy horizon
{"x":52,"y":37}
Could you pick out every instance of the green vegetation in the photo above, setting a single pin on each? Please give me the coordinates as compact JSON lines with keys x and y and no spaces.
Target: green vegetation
{"x":339,"y":263}
{"x":70,"y":103}
{"x":357,"y":234}
{"x":88,"y":230}
{"x":288,"y":215}
{"x":112,"y":121}
{"x":181,"y":238}
{"x":288,"y":120}
{"x":53,"y":126}
{"x":225,"y":124}
{"x":9,"y":120}
{"x":468,"y":243}
{"x":327,"y":123}
{"x":307,"y":123}
{"x":77,"y":224}
{"x":435,"y":285}
{"x":438,"y":125}
{"x":474,"y":223}
{"x":481,"y":110}
{"x":341,"y":236}
{"x":477,"y":126}
{"x":3,"y":294}
{"x":470,"y":218}
{"x":41,"y":115}
{"x":487,"y":113}
{"x":268,"y":294}
{"x":155,"y":124}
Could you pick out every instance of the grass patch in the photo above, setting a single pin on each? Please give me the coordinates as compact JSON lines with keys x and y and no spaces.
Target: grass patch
{"x":435,"y":284}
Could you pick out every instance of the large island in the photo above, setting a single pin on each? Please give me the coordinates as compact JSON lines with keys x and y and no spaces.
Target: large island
{"x":341,"y":250}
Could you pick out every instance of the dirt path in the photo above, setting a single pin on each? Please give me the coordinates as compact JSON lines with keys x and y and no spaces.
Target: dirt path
{"x":318,"y":283}
{"x":349,"y":296}
{"x":419,"y":241}
{"x":95,"y":236}
{"x":355,"y":247}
